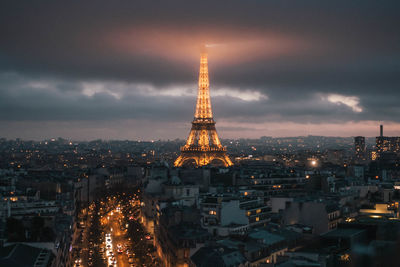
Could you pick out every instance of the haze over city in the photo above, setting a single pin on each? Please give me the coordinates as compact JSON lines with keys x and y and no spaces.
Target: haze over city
{"x":92,"y":70}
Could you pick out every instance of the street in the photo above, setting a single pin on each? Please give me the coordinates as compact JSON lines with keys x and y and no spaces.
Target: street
{"x":112,"y":235}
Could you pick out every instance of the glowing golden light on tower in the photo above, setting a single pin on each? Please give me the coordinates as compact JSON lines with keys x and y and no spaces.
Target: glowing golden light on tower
{"x":203,"y":144}
{"x":203,"y":106}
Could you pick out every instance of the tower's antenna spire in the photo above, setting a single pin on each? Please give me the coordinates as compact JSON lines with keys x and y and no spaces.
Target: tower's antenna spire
{"x":203,"y":106}
{"x":203,"y":48}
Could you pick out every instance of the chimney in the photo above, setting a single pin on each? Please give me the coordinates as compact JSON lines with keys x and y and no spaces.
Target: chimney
{"x":381,"y":130}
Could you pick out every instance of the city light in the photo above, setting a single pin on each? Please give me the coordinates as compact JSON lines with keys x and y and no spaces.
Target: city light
{"x":110,"y":154}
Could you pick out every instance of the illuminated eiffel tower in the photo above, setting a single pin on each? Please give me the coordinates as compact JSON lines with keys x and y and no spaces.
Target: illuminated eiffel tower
{"x":203,"y":145}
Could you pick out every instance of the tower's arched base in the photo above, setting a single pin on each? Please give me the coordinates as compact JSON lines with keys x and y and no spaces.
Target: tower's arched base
{"x":202,"y":158}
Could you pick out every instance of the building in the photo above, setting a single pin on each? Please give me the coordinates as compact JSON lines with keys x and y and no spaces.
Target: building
{"x":178,"y":235}
{"x":25,"y":256}
{"x":64,"y":227}
{"x":258,"y":248}
{"x":360,"y":148}
{"x":320,"y":214}
{"x":20,"y":209}
{"x":218,"y":255}
{"x":387,"y":143}
{"x":229,"y":214}
{"x":186,"y":194}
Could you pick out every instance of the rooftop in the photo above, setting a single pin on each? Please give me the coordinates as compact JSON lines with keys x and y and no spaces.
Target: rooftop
{"x":216,"y":256}
{"x":343,"y":232}
{"x":20,"y":255}
{"x":268,"y":238}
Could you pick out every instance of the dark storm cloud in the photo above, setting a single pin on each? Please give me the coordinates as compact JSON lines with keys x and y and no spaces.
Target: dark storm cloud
{"x":73,"y":38}
{"x":27,"y":98}
{"x":55,"y":56}
{"x":24,"y":98}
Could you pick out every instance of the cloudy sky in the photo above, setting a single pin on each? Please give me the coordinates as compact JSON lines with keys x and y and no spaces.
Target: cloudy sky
{"x":128,"y":69}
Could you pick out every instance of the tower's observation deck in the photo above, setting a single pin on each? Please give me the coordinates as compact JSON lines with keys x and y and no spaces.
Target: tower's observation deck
{"x":203,"y":145}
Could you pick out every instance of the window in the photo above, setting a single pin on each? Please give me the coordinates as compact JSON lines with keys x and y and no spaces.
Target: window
{"x":259,"y":211}
{"x":187,"y":192}
{"x":257,"y":219}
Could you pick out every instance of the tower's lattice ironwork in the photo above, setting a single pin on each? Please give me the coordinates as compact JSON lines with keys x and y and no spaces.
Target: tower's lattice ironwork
{"x":203,"y":145}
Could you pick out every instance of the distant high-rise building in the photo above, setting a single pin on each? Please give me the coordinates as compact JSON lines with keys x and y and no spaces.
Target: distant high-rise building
{"x":359,"y":146}
{"x":387,"y":143}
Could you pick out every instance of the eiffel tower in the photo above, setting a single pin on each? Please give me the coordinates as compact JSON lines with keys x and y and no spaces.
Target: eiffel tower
{"x":203,"y":145}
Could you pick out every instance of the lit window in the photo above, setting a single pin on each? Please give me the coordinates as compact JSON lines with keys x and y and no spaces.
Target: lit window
{"x":259,"y":211}
{"x":257,"y":219}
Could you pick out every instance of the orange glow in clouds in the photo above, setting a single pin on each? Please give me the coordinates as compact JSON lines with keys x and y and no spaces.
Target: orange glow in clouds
{"x":224,"y":46}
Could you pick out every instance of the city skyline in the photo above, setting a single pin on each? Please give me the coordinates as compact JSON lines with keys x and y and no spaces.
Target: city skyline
{"x":86,"y":71}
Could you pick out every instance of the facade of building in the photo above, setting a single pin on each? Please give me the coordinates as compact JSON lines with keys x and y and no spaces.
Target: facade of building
{"x":177,"y":235}
{"x":230,"y":214}
{"x":360,"y":148}
{"x":387,"y":144}
{"x":321,"y":215}
{"x":21,"y":209}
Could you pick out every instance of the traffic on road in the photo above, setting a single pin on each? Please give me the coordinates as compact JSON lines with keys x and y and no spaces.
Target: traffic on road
{"x":110,"y":234}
